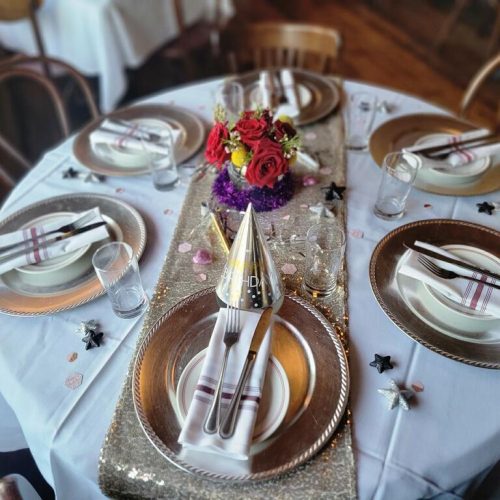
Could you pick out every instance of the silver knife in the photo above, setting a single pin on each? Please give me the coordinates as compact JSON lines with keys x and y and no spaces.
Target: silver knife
{"x":450,"y":260}
{"x":228,"y":424}
{"x":26,"y":251}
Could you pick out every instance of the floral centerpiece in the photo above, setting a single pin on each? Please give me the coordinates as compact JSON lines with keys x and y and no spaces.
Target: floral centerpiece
{"x":254,"y":156}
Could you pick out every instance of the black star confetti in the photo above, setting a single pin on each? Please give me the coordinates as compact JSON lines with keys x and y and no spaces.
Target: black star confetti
{"x":485,"y":207}
{"x":71,"y":173}
{"x":382,"y":363}
{"x":334,"y":192}
{"x":92,"y":339}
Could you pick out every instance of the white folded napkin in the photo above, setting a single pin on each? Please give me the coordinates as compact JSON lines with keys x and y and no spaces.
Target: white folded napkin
{"x":265,"y":89}
{"x":476,"y":296}
{"x":293,"y":105}
{"x":135,"y":129}
{"x":53,"y":250}
{"x":193,"y":436}
{"x":463,"y":155}
{"x":133,"y":138}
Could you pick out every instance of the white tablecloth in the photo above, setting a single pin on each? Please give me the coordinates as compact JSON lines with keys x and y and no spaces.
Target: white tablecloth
{"x":449,"y":437}
{"x":104,"y":37}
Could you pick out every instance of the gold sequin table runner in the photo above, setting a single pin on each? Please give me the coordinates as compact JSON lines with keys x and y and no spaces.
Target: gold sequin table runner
{"x":129,"y":465}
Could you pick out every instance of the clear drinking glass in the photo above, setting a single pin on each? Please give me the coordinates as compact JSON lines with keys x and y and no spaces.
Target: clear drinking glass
{"x":230,"y":96}
{"x":163,"y":167}
{"x":398,"y":174}
{"x":116,"y":267}
{"x":325,"y":246}
{"x":358,"y":117}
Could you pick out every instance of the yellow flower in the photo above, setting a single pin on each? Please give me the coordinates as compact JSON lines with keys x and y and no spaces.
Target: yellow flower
{"x":239,"y":156}
{"x":285,"y":119}
{"x":292,"y":160}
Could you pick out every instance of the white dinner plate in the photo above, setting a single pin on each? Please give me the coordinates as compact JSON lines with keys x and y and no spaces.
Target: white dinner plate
{"x":440,"y":172}
{"x":273,"y":405}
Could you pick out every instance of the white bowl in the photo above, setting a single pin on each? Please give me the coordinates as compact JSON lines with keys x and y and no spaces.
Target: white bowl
{"x":59,"y":270}
{"x":441,"y":172}
{"x":453,"y":313}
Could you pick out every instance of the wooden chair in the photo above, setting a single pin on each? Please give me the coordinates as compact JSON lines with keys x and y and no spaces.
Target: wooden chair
{"x":29,"y":68}
{"x":276,"y":44}
{"x":475,"y":84}
{"x":14,"y":10}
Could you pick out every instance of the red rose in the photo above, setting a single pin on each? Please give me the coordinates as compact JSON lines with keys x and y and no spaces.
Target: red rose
{"x":283,"y":128}
{"x":215,"y":152}
{"x":267,"y":164}
{"x":251,"y":130}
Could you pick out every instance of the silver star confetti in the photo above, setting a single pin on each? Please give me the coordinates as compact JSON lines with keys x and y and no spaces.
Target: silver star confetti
{"x":321,"y":211}
{"x":86,"y":326}
{"x":72,"y":173}
{"x":396,"y":396}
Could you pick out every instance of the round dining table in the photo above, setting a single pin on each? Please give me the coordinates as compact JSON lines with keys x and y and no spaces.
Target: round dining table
{"x":444,"y":445}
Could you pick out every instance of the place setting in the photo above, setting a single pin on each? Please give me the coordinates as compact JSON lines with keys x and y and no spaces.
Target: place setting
{"x":47,"y":250}
{"x":439,"y":281}
{"x":135,"y":140}
{"x":250,"y":383}
{"x":456,"y":157}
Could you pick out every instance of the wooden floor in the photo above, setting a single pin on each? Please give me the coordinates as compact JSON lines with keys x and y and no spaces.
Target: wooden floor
{"x":393,"y":46}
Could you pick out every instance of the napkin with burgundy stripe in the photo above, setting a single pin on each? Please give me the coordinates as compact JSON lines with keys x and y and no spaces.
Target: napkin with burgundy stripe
{"x":477,"y":296}
{"x":238,"y":446}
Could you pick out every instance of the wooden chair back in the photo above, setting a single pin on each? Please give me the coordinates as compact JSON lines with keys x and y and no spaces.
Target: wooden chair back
{"x":476,"y":83}
{"x":30,"y":68}
{"x":277,"y":44}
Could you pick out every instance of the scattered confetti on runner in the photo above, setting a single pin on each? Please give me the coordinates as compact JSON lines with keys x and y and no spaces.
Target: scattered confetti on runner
{"x":202,"y":257}
{"x":201,"y":277}
{"x":310,"y":136}
{"x":309,"y":180}
{"x":289,"y":268}
{"x":286,"y":217}
{"x":184,"y":247}
{"x":304,"y":205}
{"x":74,"y":380}
{"x":325,"y":171}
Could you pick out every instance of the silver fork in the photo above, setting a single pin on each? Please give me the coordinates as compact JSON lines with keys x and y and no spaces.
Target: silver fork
{"x":447,"y":274}
{"x":66,"y":228}
{"x":231,"y":336}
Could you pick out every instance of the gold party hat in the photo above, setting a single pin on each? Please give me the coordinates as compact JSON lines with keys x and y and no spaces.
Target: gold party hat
{"x":250,"y":280}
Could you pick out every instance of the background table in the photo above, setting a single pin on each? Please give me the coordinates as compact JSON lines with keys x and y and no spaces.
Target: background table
{"x":451,"y":435}
{"x":104,"y":37}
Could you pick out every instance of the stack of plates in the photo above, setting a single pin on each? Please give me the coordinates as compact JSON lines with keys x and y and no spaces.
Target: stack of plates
{"x":119,"y":161}
{"x":68,"y":281}
{"x":478,"y":177}
{"x":425,"y":314}
{"x":304,"y":397}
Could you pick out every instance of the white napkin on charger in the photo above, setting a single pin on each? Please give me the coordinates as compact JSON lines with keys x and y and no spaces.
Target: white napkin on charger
{"x":55,"y":249}
{"x":463,"y":155}
{"x":133,"y":136}
{"x":477,"y":296}
{"x":192,"y":435}
{"x":293,"y":105}
{"x":266,"y":89}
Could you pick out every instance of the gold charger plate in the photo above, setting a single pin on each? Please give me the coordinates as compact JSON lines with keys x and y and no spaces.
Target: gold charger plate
{"x":20,"y":299}
{"x":383,"y":279}
{"x":191,"y":128}
{"x":404,"y":131}
{"x":304,"y":343}
{"x":325,"y":95}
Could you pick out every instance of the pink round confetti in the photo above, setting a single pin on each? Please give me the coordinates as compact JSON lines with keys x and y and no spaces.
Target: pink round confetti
{"x":304,"y":205}
{"x":201,"y":277}
{"x":325,"y":171}
{"x":289,"y":268}
{"x":286,"y":217}
{"x":418,"y":387}
{"x":74,"y":380}
{"x":119,"y":190}
{"x":357,"y":233}
{"x":72,"y":356}
{"x":309,"y":180}
{"x":202,"y":257}
{"x":168,"y":211}
{"x":310,"y":136}
{"x":185,"y":247}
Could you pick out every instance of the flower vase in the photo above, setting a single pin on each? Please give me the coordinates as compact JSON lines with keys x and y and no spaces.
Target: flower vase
{"x":230,"y":188}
